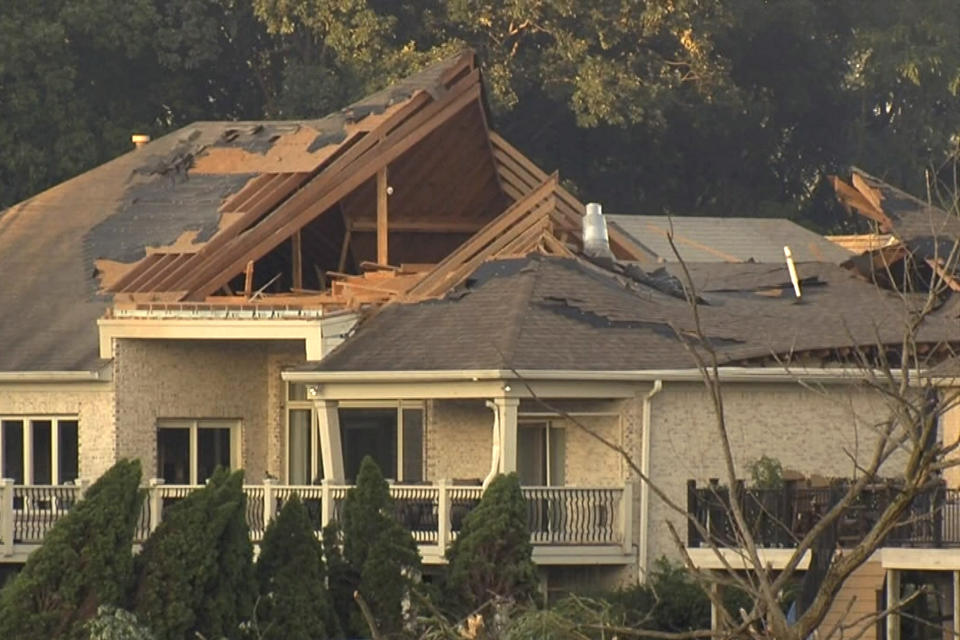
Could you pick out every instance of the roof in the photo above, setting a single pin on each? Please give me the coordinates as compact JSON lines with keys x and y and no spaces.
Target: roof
{"x":714,"y":239}
{"x":548,"y":313}
{"x":859,"y":243}
{"x":60,"y":250}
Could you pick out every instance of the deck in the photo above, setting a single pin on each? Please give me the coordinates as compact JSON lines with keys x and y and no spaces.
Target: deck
{"x":568,"y":525}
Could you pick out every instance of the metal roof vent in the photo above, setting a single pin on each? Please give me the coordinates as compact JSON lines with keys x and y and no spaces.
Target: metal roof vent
{"x":596,"y":242}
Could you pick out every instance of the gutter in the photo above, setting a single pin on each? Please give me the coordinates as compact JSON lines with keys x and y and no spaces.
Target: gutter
{"x":727,"y":374}
{"x":644,"y":485}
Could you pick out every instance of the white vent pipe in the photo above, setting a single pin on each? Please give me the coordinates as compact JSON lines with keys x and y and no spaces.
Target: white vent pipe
{"x":596,"y":242}
{"x":792,"y":268}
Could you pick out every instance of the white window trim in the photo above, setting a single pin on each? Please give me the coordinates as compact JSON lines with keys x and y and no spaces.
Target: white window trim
{"x":54,"y":421}
{"x":400,"y":405}
{"x":194,"y":425}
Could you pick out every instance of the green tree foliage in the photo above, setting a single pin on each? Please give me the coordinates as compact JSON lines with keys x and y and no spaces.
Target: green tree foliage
{"x":341,"y":579}
{"x":381,"y":556}
{"x":492,"y":556}
{"x":733,"y":107}
{"x":195,"y":573}
{"x":294,"y":603}
{"x":85,"y":562}
{"x":112,"y":623}
{"x":78,"y":77}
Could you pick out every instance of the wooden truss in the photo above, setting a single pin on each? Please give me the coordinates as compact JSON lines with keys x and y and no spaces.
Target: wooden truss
{"x":275,"y":208}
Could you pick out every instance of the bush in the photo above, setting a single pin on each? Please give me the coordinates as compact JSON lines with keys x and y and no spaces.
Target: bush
{"x":195,"y":573}
{"x":294,"y":603}
{"x":492,"y":557}
{"x":112,"y":623}
{"x":86,"y":561}
{"x":381,"y":556}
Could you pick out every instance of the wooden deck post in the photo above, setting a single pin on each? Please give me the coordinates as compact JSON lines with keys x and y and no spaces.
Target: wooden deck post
{"x":626,"y":517}
{"x":383,"y":249}
{"x":155,"y":498}
{"x":6,"y":515}
{"x":269,"y":501}
{"x":326,"y":503}
{"x":443,"y":517}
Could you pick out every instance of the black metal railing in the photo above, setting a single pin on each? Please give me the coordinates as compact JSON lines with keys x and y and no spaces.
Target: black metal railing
{"x":779,"y":518}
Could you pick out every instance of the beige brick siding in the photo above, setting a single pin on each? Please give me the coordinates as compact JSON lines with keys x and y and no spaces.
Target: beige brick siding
{"x":202,"y":379}
{"x":806,"y":431}
{"x":90,"y":402}
{"x":590,"y":462}
{"x":459,"y":438}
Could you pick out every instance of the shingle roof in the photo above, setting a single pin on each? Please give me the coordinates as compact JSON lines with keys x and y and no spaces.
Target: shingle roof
{"x":50,"y":245}
{"x":712,"y":239}
{"x":547,"y":313}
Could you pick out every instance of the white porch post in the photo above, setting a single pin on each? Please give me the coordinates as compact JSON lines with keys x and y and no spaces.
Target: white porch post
{"x":893,"y":599}
{"x":328,"y":422}
{"x":956,"y":603}
{"x":507,"y":408}
{"x":6,"y":515}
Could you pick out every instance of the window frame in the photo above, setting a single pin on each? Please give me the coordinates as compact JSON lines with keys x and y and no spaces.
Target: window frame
{"x":27,"y":421}
{"x":291,"y":404}
{"x":193,"y":425}
{"x":550,"y":427}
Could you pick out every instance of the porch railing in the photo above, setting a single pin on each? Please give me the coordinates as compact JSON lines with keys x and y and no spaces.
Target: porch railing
{"x":781,"y":517}
{"x":434,"y":514}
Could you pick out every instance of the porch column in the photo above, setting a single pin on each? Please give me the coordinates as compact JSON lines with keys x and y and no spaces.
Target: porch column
{"x":893,"y":598}
{"x":328,"y":423}
{"x":507,"y":409}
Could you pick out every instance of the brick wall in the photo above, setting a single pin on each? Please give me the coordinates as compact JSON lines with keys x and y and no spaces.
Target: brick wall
{"x":202,"y":379}
{"x":92,"y":404}
{"x":806,"y":431}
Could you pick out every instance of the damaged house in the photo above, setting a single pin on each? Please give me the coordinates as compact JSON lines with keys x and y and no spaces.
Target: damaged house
{"x":397,"y":280}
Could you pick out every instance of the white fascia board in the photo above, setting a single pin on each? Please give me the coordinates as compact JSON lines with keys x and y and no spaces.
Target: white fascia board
{"x":54,"y":376}
{"x":314,"y":332}
{"x":727,"y":374}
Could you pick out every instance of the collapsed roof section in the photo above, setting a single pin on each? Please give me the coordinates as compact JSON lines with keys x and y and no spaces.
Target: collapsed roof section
{"x":328,"y":214}
{"x":917,"y":247}
{"x":352,"y":209}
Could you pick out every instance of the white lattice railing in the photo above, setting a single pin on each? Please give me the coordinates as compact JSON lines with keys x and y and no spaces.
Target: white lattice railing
{"x":434,"y":514}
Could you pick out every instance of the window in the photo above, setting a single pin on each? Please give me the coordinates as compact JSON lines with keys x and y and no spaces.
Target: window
{"x":41,"y":450}
{"x":391,"y":432}
{"x":541,"y":453}
{"x":188,"y":451}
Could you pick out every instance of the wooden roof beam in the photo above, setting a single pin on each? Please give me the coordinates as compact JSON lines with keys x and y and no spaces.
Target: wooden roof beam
{"x":853,"y":199}
{"x":328,"y":188}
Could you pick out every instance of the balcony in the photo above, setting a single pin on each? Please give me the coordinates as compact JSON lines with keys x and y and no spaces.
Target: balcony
{"x":778,"y":518}
{"x":568,"y":525}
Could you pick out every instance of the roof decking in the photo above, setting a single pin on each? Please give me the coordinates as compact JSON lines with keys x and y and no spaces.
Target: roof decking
{"x":713,"y":239}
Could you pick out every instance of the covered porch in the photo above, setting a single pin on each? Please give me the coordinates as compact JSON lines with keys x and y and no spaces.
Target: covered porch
{"x":568,"y":525}
{"x":440,"y":438}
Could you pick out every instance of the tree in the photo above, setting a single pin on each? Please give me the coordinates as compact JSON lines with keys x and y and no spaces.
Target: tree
{"x":294,"y":602}
{"x":195,"y":573}
{"x":86,"y":561}
{"x":381,"y":557}
{"x":492,"y":556}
